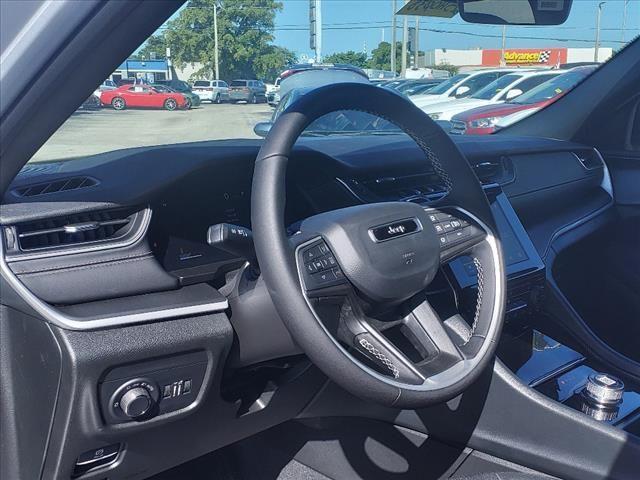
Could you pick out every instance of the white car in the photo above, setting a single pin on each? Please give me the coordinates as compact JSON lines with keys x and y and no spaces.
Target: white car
{"x":506,"y":88}
{"x":214,"y":91}
{"x":459,"y":86}
{"x":106,"y":85}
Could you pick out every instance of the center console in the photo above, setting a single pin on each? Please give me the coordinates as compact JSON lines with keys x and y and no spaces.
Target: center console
{"x":541,"y":362}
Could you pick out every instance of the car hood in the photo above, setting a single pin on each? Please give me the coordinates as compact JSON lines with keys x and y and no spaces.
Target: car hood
{"x":493,"y":110}
{"x":426,"y":99}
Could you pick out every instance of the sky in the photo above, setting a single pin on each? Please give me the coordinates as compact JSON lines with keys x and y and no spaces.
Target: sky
{"x":361,"y":24}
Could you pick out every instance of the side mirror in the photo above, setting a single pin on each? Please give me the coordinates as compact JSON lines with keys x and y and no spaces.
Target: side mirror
{"x":262,"y":128}
{"x":461,"y":91}
{"x":513,"y":93}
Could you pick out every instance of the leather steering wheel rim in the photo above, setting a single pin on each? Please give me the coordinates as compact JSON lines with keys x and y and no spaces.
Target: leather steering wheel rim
{"x":277,"y":253}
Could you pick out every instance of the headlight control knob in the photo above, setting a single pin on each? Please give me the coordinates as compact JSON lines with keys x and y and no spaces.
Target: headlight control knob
{"x":136,"y":402}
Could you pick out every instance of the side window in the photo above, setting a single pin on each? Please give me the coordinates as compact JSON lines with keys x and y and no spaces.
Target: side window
{"x":476,"y":83}
{"x":529,"y":83}
{"x":224,"y":84}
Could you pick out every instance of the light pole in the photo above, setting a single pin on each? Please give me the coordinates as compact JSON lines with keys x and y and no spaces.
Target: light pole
{"x":405,"y":39}
{"x":215,"y":39}
{"x":393,"y":37}
{"x":595,"y":53}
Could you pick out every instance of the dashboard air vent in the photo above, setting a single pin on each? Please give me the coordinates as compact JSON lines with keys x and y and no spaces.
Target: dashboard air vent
{"x":82,"y":228}
{"x":498,"y":171}
{"x":55,"y":186}
{"x":589,"y":159}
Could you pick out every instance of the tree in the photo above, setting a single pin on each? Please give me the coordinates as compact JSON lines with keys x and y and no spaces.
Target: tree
{"x":452,"y":69}
{"x":381,"y":57}
{"x":357,"y":59}
{"x":245,"y":48}
{"x":154,"y":46}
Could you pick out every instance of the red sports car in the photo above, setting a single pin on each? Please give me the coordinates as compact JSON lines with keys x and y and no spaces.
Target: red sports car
{"x":142,"y":96}
{"x":483,"y":120}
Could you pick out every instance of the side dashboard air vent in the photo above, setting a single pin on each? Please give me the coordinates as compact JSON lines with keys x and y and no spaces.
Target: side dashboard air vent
{"x":83,"y":228}
{"x":589,"y":159}
{"x":498,"y":171}
{"x":55,"y":186}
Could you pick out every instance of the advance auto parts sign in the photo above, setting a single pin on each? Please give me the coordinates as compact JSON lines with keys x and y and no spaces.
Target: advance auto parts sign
{"x":514,"y":57}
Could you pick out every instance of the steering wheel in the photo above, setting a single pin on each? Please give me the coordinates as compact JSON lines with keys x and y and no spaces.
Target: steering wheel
{"x":350,"y":283}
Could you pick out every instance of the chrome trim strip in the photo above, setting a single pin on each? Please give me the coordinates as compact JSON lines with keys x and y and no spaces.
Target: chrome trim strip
{"x":67,"y":322}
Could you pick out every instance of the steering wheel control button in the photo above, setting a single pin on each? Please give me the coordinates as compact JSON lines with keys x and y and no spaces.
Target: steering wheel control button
{"x":603,"y":389}
{"x":320,"y":267}
{"x":452,"y":230}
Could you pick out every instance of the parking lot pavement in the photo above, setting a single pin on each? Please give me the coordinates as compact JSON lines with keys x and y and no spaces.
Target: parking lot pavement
{"x":90,"y":132}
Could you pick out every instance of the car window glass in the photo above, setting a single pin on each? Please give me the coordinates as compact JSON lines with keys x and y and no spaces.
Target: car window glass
{"x":495,"y":87}
{"x":529,"y":83}
{"x":447,"y":84}
{"x":259,"y":42}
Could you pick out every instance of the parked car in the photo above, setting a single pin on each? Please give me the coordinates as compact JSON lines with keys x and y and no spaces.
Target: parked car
{"x":142,"y":96}
{"x":104,"y":86}
{"x":412,"y":86}
{"x":192,"y":99}
{"x":484,"y":120}
{"x":176,"y":84}
{"x":91,"y":103}
{"x":273,"y":96}
{"x":420,"y":89}
{"x":459,"y":86}
{"x":212,"y":91}
{"x":505,"y":88}
{"x":250,"y":91}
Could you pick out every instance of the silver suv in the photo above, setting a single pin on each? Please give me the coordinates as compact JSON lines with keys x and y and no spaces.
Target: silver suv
{"x":214,"y":91}
{"x":250,"y":91}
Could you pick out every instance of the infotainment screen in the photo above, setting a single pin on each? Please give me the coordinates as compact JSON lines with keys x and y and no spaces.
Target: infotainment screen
{"x":520,"y":256}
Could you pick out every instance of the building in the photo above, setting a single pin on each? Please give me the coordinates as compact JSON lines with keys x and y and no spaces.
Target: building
{"x":147,"y":70}
{"x":515,"y":57}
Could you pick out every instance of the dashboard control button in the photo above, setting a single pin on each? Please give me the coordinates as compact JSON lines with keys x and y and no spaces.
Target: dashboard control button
{"x":187,"y":386}
{"x":447,"y":226}
{"x":439,"y":228}
{"x":96,"y":458}
{"x":443,"y":240}
{"x":136,"y":402}
{"x":457,"y":236}
{"x":311,"y":267}
{"x":433,"y":217}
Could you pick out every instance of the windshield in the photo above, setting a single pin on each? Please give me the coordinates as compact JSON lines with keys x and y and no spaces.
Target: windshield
{"x":495,"y":87}
{"x":210,"y":45}
{"x":447,"y":84}
{"x":553,"y":88}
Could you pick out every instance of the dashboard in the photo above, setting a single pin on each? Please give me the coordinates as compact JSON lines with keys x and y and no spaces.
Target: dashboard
{"x":538,"y":187}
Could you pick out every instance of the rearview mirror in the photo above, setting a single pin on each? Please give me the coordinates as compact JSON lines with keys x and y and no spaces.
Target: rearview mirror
{"x":461,"y":91}
{"x":513,"y":93}
{"x":262,"y":128}
{"x":515,"y":12}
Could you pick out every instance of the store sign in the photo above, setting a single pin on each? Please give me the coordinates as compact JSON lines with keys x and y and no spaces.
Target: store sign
{"x":513,"y":57}
{"x":516,"y":57}
{"x":430,"y":8}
